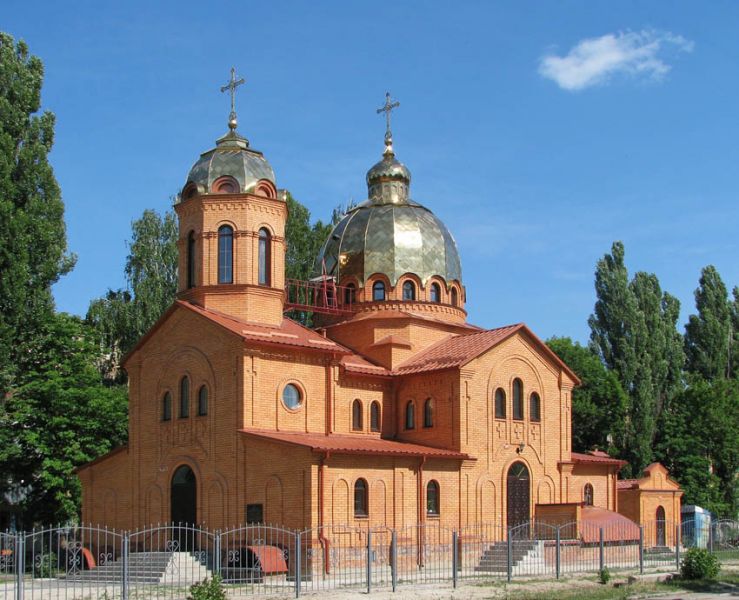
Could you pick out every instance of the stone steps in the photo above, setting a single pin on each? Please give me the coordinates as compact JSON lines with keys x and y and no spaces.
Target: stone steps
{"x":149,"y":567}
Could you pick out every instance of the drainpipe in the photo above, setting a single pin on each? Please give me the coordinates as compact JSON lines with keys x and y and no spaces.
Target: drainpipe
{"x":325,"y":544}
{"x":421,"y":513}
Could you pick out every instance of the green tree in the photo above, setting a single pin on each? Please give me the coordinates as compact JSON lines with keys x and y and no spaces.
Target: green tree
{"x":734,"y":358}
{"x":62,"y":417}
{"x":33,"y":247}
{"x":633,"y":330}
{"x":599,"y":404}
{"x":708,"y":334}
{"x":304,"y":241}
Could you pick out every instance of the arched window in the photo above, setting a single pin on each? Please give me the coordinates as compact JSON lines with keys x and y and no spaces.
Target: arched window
{"x":184,"y":398}
{"x":357,"y":415}
{"x":517,"y":399}
{"x":435,"y":293}
{"x":291,"y":396}
{"x":455,"y":298}
{"x":202,"y":401}
{"x":191,"y":260}
{"x":410,"y":415}
{"x":375,"y":416}
{"x":428,"y":413}
{"x":378,"y":291}
{"x":225,"y":254}
{"x":500,"y":403}
{"x":409,"y":291}
{"x":534,"y":407}
{"x":432,"y":498}
{"x":265,"y":258}
{"x":361,"y":500}
{"x":587,"y":495}
{"x":350,"y":293}
{"x":167,"y":407}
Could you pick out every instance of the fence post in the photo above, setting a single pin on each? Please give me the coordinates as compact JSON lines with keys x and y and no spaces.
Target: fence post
{"x":217,"y":553}
{"x":20,"y":564}
{"x":124,"y":567}
{"x":557,"y":552}
{"x":298,"y":550}
{"x":601,"y":557}
{"x":641,"y":548}
{"x":369,"y":561}
{"x":510,"y":555}
{"x":455,"y":557}
{"x":394,"y":558}
{"x":677,"y":546}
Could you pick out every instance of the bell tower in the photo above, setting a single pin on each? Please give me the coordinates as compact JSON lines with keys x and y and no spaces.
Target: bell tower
{"x":232,"y":230}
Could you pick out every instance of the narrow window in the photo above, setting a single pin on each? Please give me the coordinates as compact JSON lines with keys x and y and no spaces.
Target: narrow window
{"x":587,"y":495}
{"x":202,"y":401}
{"x":378,"y":291}
{"x":375,"y":416}
{"x":191,"y":260}
{"x":435,"y":292}
{"x":432,"y":499}
{"x":535,"y":407}
{"x":500,"y":403}
{"x":225,"y":254}
{"x":360,"y":498}
{"x":428,"y":413}
{"x":167,"y":407}
{"x":409,"y":291}
{"x":357,"y":415}
{"x":184,"y":398}
{"x":455,"y":299}
{"x":265,"y":258}
{"x":517,"y":399}
{"x":350,"y":293}
{"x":410,"y":416}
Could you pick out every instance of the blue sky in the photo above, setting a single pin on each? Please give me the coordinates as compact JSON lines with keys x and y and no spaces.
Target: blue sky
{"x":540,"y":132}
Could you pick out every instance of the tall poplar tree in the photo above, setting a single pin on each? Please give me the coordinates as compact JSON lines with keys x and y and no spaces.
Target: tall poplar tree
{"x":633,"y":330}
{"x":33,"y":244}
{"x":708,"y":334}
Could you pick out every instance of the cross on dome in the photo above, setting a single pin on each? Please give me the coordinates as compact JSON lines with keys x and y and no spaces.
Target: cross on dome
{"x":231,"y":87}
{"x":387,"y":109}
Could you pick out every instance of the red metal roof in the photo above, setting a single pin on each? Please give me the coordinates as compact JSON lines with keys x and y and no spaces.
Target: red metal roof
{"x":600,"y":458}
{"x":626,"y":484}
{"x":615,"y":526}
{"x":354,"y":444}
{"x":353,"y":363}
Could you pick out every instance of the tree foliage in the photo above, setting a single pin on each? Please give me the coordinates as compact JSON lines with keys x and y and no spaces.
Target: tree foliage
{"x":33,"y":247}
{"x":633,"y":330}
{"x":708,"y":334}
{"x":599,"y":405}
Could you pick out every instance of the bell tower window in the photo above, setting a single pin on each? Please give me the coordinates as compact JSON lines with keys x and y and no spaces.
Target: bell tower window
{"x":409,"y":291}
{"x":378,"y":291}
{"x":225,"y":254}
{"x":191,"y":260}
{"x":435,"y":292}
{"x":265,"y":257}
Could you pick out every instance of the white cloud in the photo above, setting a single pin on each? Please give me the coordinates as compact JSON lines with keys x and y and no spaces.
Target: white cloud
{"x":594,"y":61}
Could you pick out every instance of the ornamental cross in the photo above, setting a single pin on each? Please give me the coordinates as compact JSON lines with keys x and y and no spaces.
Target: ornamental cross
{"x":231,"y":87}
{"x":387,"y":109}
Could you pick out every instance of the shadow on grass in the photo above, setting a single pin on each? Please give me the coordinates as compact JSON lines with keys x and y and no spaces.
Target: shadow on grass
{"x":723,"y":584}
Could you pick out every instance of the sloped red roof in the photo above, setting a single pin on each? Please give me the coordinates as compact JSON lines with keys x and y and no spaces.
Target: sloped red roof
{"x":625,"y":484}
{"x":615,"y":526}
{"x":599,"y":458}
{"x":354,"y":444}
{"x":353,"y":363}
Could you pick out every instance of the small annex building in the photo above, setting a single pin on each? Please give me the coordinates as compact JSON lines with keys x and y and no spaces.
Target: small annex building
{"x":393,"y":410}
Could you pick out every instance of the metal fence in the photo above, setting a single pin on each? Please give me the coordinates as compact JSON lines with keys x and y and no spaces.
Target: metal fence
{"x":164,"y":561}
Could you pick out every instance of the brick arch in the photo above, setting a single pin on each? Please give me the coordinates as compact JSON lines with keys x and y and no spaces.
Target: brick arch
{"x":340,"y":502}
{"x":378,"y":502}
{"x":487,"y":508}
{"x":153,"y":512}
{"x":545,"y":491}
{"x":191,"y":359}
{"x":265,"y":188}
{"x":215,"y":516}
{"x":274,"y":509}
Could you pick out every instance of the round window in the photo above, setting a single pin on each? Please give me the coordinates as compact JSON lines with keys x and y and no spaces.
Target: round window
{"x":291,"y":396}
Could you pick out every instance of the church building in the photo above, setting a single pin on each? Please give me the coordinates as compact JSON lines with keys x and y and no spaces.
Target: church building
{"x":392,"y":410}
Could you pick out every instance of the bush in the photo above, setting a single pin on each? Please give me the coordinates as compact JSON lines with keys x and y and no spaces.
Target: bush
{"x":604,"y":575}
{"x":699,"y":563}
{"x":208,"y":590}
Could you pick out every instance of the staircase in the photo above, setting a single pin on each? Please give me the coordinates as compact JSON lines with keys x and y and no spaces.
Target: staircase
{"x":527,"y":558}
{"x":150,"y":567}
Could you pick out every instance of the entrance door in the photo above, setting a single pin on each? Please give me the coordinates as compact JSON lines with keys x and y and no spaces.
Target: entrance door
{"x":660,"y":527}
{"x":184,"y":508}
{"x":518,"y":494}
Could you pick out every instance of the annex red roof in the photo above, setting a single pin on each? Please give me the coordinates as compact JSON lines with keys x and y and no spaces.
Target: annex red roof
{"x":354,"y":444}
{"x":615,"y":526}
{"x":627,"y":484}
{"x":600,"y":458}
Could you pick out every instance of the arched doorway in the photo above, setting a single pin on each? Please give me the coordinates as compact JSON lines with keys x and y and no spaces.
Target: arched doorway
{"x":184,"y":496}
{"x":518,"y":494}
{"x":660,"y":525}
